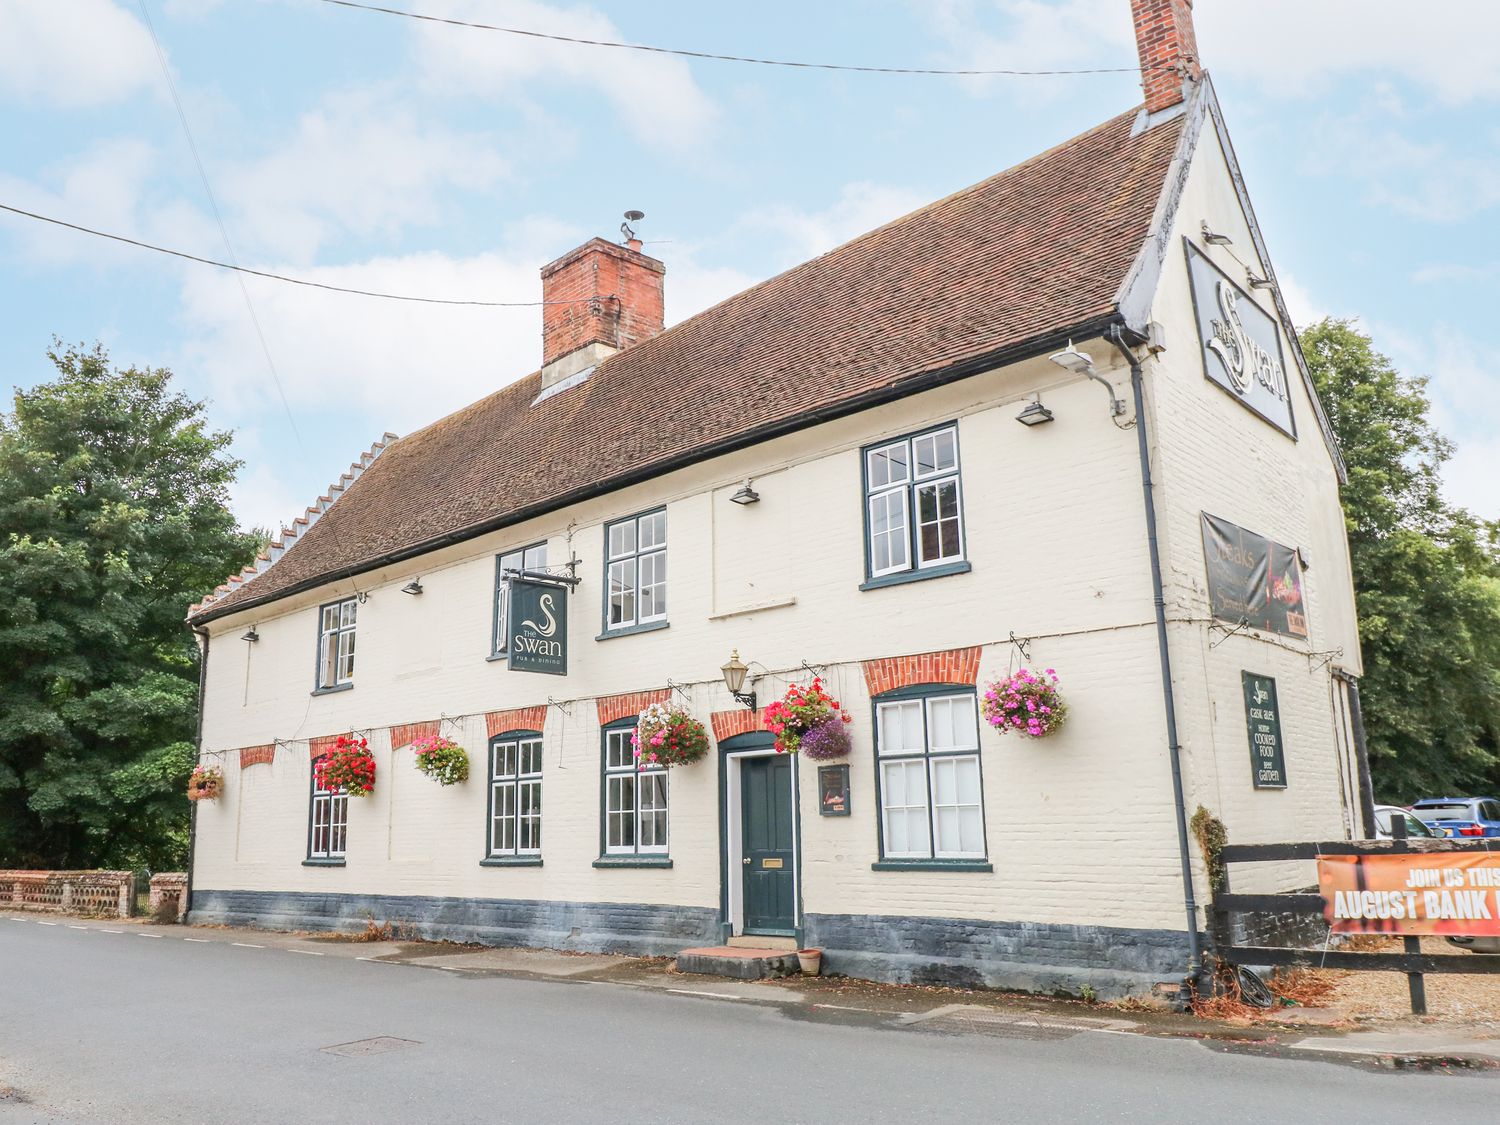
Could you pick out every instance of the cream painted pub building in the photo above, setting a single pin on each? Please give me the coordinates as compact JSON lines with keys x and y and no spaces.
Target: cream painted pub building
{"x":1056,"y":420}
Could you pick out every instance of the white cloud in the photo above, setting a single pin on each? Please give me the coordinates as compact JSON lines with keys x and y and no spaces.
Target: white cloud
{"x":357,"y":164}
{"x":1293,"y":48}
{"x":860,"y":207}
{"x":1303,"y":306}
{"x":77,"y":53}
{"x":1442,"y":273}
{"x":656,"y":95}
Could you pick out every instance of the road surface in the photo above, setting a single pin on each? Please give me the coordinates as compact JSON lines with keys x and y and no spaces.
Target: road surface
{"x":100,"y":1026}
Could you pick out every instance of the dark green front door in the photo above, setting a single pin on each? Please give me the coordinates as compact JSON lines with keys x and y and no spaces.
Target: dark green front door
{"x":768,"y":860}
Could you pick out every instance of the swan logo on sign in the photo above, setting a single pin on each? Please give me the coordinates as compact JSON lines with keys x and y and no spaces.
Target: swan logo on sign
{"x":1241,"y":343}
{"x":538,"y":640}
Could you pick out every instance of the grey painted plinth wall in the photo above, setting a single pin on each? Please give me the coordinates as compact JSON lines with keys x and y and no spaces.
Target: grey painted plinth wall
{"x":1024,"y":956}
{"x":1042,"y":957}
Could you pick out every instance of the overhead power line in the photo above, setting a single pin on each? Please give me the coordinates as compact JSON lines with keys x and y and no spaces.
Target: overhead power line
{"x":283,"y":277}
{"x":582,"y":42}
{"x":213,"y":204}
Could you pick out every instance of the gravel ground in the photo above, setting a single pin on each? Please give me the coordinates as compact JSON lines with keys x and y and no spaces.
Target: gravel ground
{"x":1451,"y":998}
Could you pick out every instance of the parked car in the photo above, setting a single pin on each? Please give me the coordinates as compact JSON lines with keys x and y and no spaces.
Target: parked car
{"x":1385,"y":814}
{"x":1477,"y":944}
{"x":1460,"y":816}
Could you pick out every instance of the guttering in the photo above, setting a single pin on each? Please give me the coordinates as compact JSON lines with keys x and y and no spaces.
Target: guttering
{"x":1116,"y":335}
{"x":1015,"y":353}
{"x":187,"y":891}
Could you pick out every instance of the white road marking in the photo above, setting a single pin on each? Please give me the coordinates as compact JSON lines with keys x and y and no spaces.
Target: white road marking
{"x":73,"y":927}
{"x":200,"y":940}
{"x":852,"y":1008}
{"x":246,"y":945}
{"x":377,"y":961}
{"x":39,"y":922}
{"x":114,"y":931}
{"x":308,"y":952}
{"x":148,"y":935}
{"x":715,"y":995}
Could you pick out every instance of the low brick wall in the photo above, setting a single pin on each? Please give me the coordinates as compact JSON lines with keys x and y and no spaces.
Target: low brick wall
{"x":173,"y":885}
{"x":98,"y":893}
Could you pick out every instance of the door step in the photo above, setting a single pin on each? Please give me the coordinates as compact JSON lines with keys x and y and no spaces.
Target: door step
{"x":738,"y":962}
{"x":758,"y":941}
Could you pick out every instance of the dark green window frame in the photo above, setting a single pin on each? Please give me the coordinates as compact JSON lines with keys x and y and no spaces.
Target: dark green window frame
{"x":616,"y":736}
{"x":932,"y":861}
{"x":885,"y":497}
{"x":517,"y":781}
{"x":499,"y":635}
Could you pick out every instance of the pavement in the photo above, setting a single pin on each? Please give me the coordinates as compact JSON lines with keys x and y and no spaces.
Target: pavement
{"x":119,"y":1021}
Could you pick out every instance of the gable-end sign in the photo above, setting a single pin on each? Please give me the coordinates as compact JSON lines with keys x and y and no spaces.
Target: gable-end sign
{"x":1253,"y":580}
{"x":1241,"y":343}
{"x":538,"y":625}
{"x":1263,"y":717}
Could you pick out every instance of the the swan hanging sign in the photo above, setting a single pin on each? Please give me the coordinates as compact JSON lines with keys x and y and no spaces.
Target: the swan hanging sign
{"x":538,"y":624}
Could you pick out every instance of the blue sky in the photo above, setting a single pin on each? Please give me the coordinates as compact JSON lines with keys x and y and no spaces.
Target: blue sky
{"x":367,"y":150}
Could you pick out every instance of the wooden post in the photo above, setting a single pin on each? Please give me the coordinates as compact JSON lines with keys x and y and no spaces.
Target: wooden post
{"x":1414,"y":982}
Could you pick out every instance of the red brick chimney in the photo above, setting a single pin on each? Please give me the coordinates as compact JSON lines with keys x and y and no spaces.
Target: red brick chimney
{"x":1168,"y":49}
{"x":609,"y":297}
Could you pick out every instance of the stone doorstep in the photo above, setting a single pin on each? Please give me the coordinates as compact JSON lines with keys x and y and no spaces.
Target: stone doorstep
{"x":759,"y":941}
{"x":738,"y":962}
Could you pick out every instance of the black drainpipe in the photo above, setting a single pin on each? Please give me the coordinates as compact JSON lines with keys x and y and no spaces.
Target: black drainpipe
{"x":1116,"y":336}
{"x":197,"y":751}
{"x":1361,"y":754}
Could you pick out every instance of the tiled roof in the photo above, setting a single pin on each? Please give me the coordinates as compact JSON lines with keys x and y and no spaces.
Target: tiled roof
{"x":1036,"y":250}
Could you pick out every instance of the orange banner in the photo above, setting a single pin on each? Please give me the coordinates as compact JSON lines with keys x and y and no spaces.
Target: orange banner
{"x":1432,"y":893}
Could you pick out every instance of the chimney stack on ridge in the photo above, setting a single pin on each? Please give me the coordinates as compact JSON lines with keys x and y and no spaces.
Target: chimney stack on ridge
{"x":601,"y":298}
{"x":1168,"y":48}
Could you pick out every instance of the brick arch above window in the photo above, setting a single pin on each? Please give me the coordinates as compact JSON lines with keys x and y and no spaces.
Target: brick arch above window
{"x":257,"y":755}
{"x":742,"y":720}
{"x":317,"y":747}
{"x":948,"y":666}
{"x":517,"y":718}
{"x":405,"y":734}
{"x":615,"y":707}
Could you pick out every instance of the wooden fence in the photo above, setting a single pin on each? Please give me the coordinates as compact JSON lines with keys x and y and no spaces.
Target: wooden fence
{"x":1411,"y":960}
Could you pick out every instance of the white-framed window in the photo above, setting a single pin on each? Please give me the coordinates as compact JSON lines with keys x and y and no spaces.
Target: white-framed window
{"x":516,"y":794}
{"x":931,"y":794}
{"x":913,"y":503}
{"x":526,"y":558}
{"x":328,"y":821}
{"x":635,"y":799}
{"x":336,"y":643}
{"x":636,"y":570}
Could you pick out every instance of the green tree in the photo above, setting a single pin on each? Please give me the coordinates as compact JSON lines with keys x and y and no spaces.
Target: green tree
{"x":1426,"y":579}
{"x":113,"y":518}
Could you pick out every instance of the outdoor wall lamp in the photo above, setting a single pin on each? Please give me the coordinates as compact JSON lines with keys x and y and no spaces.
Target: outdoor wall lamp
{"x":251,"y":635}
{"x":1071,"y":359}
{"x":1258,"y":282}
{"x":412,"y":587}
{"x":1035,"y":413}
{"x":734,"y":680}
{"x":746,"y":495}
{"x":1215,"y":239}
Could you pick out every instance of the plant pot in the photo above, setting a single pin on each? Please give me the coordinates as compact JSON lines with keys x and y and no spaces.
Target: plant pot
{"x":811,"y":961}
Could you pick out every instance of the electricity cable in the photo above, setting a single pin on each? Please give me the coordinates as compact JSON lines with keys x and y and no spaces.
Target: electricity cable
{"x":579,"y":41}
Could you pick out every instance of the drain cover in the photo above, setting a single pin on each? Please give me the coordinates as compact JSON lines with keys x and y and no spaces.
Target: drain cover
{"x":377,"y":1046}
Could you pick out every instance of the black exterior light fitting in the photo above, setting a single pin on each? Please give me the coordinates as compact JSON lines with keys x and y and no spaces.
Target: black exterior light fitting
{"x":1257,"y":282}
{"x":734,"y":680}
{"x":746,"y":495}
{"x":1213,"y":239}
{"x":1035,"y":413}
{"x":412,"y":587}
{"x":251,"y":635}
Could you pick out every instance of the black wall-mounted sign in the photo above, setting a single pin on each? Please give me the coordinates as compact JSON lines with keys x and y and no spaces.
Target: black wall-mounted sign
{"x":1263,"y":717}
{"x":538,"y":624}
{"x":1241,"y":343}
{"x":1253,"y":579}
{"x":833,"y":790}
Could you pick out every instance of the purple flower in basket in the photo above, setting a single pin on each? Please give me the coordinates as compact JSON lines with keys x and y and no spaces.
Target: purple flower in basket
{"x":829,"y":739}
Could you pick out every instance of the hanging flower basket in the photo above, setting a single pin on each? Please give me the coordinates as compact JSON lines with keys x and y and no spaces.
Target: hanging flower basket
{"x":206,"y":783}
{"x":1026,"y":703}
{"x":668,"y":736}
{"x":810,"y":721}
{"x":442,"y":759}
{"x":349,"y":766}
